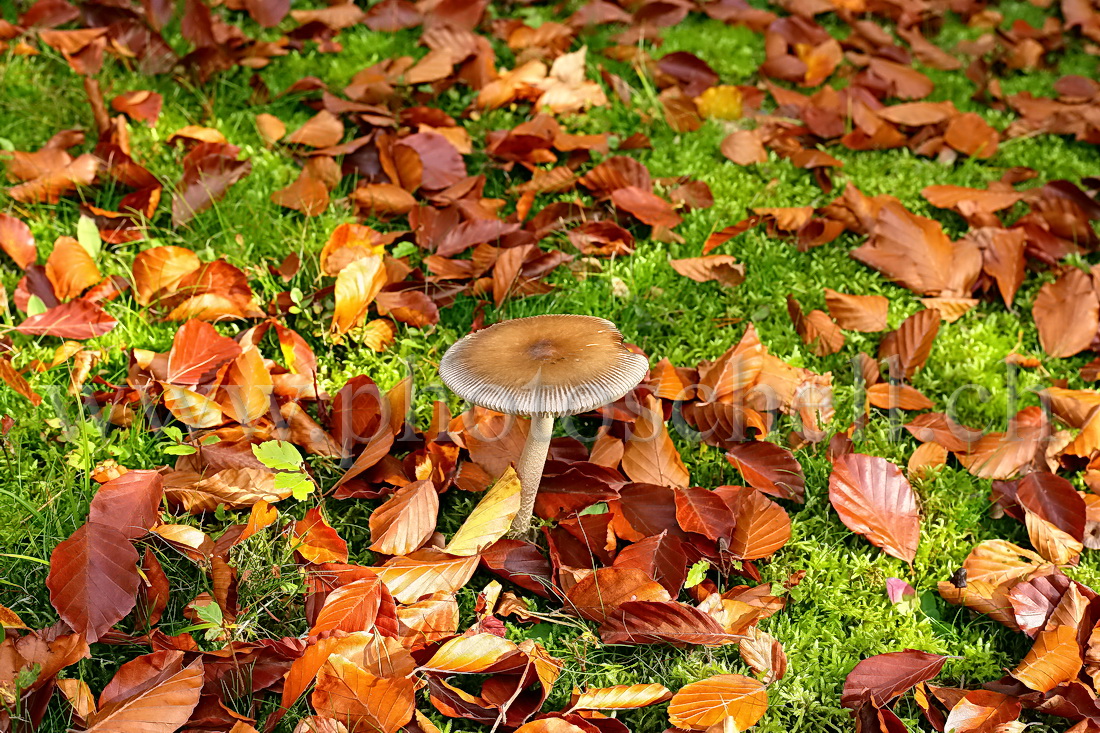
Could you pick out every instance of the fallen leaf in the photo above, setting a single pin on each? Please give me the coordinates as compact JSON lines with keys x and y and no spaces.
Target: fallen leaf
{"x":706,"y":703}
{"x":874,"y":500}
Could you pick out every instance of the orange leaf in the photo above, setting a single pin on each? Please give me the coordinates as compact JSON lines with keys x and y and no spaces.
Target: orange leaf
{"x":598,"y":595}
{"x":619,"y":697}
{"x":361,"y":700}
{"x":1067,"y":314}
{"x":16,"y":239}
{"x":723,"y":269}
{"x":865,"y":313}
{"x":982,"y":710}
{"x":70,"y":268}
{"x":708,"y":702}
{"x":649,"y":455}
{"x":888,"y":396}
{"x":873,"y":499}
{"x":744,"y":147}
{"x":323,"y":130}
{"x":356,"y":287}
{"x":362,"y":605}
{"x":406,"y":520}
{"x":1055,"y":658}
{"x":158,"y":271}
{"x":317,"y":541}
{"x":154,"y":693}
{"x":769,"y":468}
{"x":761,"y":528}
{"x":426,"y":571}
{"x":191,"y":408}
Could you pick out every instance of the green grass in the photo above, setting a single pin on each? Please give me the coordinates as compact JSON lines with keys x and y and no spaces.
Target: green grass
{"x":838,"y":615}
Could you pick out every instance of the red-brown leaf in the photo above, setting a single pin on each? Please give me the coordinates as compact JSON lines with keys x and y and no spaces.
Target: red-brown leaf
{"x":1067,"y":314}
{"x":881,"y":678}
{"x":129,"y":503}
{"x":873,"y":499}
{"x":16,"y":239}
{"x":769,"y":468}
{"x":93,"y":579}
{"x":865,"y":313}
{"x":77,"y":319}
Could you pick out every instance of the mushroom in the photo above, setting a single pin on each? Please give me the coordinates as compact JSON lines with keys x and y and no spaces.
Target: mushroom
{"x":541,"y":367}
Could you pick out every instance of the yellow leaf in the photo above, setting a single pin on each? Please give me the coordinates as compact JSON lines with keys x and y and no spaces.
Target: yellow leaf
{"x":191,"y":408}
{"x":490,"y":519}
{"x":720,"y":103}
{"x":356,"y":287}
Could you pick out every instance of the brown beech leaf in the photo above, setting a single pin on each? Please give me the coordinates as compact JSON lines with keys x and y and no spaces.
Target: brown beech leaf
{"x":17,"y":241}
{"x":1067,"y":314}
{"x":208,"y":172}
{"x":815,"y":329}
{"x":881,"y":678}
{"x":406,"y":520}
{"x":619,"y":697}
{"x":306,"y":194}
{"x":914,"y":252}
{"x":706,"y":703}
{"x":865,"y":313}
{"x":761,"y":528}
{"x":357,"y":285}
{"x":17,"y":381}
{"x":911,"y":343}
{"x":1053,"y":499}
{"x":317,"y":541}
{"x":323,"y":130}
{"x":645,"y":206}
{"x":702,"y":511}
{"x":347,"y":692}
{"x":141,"y":105}
{"x":1004,"y":455}
{"x":982,"y":710}
{"x":77,"y":319}
{"x":769,"y":468}
{"x":383,"y":199}
{"x":70,"y":268}
{"x":724,"y":269}
{"x":490,"y":519}
{"x":158,"y":271}
{"x":597,"y":596}
{"x":744,"y":147}
{"x":662,"y":622}
{"x":153,"y":693}
{"x":1060,"y":547}
{"x":426,"y":571}
{"x":1054,"y":658}
{"x":93,"y":579}
{"x":893,"y":396}
{"x":969,"y":133}
{"x":129,"y":503}
{"x":764,"y":655}
{"x":873,"y":499}
{"x":191,"y":408}
{"x":649,"y":455}
{"x":361,"y":605}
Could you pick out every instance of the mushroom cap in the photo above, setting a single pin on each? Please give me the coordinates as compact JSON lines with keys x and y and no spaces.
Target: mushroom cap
{"x":544,"y":365}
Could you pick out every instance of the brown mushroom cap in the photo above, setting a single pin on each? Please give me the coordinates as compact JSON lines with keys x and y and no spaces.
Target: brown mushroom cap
{"x":544,"y":365}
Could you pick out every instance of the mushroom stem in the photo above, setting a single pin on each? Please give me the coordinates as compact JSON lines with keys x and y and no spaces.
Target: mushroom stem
{"x":531,"y":463}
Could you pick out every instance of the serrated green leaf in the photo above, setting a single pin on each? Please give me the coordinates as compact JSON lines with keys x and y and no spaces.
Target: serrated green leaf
{"x":278,"y":455}
{"x":697,"y":574}
{"x":299,"y":484}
